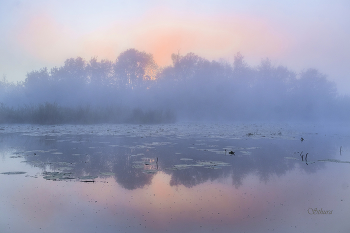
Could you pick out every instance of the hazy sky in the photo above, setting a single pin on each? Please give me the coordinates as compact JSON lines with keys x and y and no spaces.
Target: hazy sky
{"x":298,"y":34}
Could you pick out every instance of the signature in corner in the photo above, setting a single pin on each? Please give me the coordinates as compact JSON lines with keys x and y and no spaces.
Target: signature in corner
{"x":316,"y":211}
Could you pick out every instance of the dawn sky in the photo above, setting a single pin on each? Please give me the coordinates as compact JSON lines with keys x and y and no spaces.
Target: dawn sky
{"x":297,"y":34}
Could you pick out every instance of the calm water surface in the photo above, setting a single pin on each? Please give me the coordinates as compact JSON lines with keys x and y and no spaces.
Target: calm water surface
{"x":174,"y":178}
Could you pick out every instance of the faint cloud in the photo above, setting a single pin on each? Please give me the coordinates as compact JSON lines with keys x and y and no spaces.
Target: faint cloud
{"x":43,"y":38}
{"x":212,"y":36}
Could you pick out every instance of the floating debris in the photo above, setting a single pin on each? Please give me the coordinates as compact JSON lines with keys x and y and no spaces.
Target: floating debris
{"x":213,"y":167}
{"x":107,"y":173}
{"x":186,"y":159}
{"x":213,"y":163}
{"x":180,"y":167}
{"x":87,"y":177}
{"x":333,"y":160}
{"x":58,"y":176}
{"x":13,"y":173}
{"x":150,"y":171}
{"x":205,"y":164}
{"x":65,"y":168}
{"x":65,"y":163}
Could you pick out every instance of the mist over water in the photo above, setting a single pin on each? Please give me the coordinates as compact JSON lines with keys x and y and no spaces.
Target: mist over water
{"x":134,"y":89}
{"x":174,"y":178}
{"x":127,"y":117}
{"x":263,"y":148}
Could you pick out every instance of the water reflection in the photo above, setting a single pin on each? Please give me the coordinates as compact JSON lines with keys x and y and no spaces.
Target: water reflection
{"x":173,"y":183}
{"x":133,"y":161}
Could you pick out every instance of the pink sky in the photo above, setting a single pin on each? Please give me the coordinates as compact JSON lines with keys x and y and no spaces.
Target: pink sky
{"x":43,"y":34}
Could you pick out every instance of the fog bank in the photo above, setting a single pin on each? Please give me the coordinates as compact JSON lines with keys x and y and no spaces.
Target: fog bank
{"x":134,"y":89}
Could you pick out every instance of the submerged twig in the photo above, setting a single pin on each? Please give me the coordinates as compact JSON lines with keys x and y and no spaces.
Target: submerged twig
{"x":302,"y":156}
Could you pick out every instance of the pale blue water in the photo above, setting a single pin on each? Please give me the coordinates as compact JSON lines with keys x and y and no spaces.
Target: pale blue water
{"x":174,"y":178}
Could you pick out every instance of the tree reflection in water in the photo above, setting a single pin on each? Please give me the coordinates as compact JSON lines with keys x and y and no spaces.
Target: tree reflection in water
{"x":127,"y":158}
{"x":171,"y":178}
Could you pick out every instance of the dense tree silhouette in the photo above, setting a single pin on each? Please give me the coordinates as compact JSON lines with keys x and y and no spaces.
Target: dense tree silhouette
{"x":132,"y":68}
{"x":100,"y":73}
{"x":134,"y":87}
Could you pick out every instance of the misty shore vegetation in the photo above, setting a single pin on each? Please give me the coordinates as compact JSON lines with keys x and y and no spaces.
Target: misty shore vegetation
{"x":134,"y":89}
{"x":49,"y":113}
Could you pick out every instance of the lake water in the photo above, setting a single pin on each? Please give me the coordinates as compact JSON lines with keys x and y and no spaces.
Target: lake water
{"x":174,"y":178}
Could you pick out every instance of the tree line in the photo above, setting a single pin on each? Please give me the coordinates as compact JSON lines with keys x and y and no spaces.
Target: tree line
{"x":191,"y":88}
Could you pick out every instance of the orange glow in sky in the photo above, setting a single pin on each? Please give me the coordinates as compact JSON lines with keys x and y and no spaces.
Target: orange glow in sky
{"x":299,"y":35}
{"x":160,"y":35}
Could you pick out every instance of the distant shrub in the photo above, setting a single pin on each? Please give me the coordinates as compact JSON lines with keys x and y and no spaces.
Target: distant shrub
{"x":52,"y":113}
